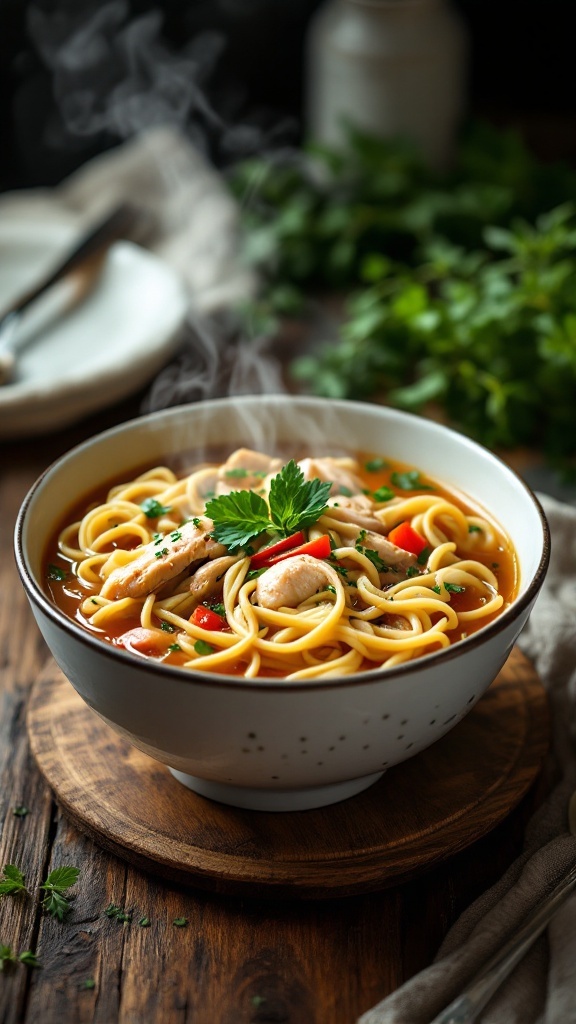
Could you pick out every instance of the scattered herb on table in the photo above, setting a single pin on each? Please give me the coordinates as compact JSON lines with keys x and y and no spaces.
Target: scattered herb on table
{"x":20,"y":811}
{"x":118,"y":913}
{"x":12,"y":881}
{"x":56,"y":902}
{"x":180,"y":922}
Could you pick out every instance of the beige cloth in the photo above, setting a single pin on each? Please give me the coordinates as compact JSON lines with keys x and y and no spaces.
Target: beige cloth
{"x":192,"y":219}
{"x":542,"y":988}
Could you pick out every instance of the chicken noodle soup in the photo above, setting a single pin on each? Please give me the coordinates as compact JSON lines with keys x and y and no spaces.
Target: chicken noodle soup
{"x":262,"y":567}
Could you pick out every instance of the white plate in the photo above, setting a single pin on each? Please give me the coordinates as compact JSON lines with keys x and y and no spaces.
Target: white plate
{"x":105,"y":348}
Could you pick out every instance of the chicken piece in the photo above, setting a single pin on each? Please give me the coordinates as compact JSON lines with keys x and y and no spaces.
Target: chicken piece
{"x":291,"y":581}
{"x":163,"y":560}
{"x":338,"y":471}
{"x":352,"y":513}
{"x":396,"y":561}
{"x":207,"y":578}
{"x":245,"y":470}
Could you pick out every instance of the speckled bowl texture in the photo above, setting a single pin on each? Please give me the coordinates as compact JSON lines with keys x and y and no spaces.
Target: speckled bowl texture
{"x":270,"y":744}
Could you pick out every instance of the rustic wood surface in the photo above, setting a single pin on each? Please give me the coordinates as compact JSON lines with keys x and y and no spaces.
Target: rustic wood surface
{"x":238,"y":960}
{"x":419,"y":813}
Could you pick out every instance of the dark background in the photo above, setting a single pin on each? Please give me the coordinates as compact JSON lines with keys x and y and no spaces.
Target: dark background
{"x":230,"y":72}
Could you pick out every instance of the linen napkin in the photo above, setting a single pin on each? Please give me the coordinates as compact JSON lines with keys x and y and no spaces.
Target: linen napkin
{"x":542,"y":988}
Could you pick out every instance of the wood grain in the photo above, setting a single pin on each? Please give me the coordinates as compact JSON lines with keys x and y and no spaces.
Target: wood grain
{"x":421,"y":812}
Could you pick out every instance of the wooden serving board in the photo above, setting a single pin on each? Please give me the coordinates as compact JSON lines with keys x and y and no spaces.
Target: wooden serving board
{"x":420,"y":813}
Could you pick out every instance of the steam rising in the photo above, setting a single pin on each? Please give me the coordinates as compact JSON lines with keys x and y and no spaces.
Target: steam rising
{"x":115,"y":79}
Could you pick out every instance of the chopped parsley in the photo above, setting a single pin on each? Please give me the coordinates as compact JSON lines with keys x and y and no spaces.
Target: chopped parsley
{"x":423,"y":556}
{"x":144,"y":922}
{"x":152,"y":508}
{"x":173,"y":648}
{"x":345,"y":491}
{"x":412,"y":571}
{"x":180,"y":922}
{"x":167,"y":627}
{"x":118,"y":913}
{"x":383,"y":493}
{"x":54,"y":572}
{"x":411,"y":480}
{"x":217,"y":607}
{"x":373,"y":465}
{"x":473,"y":528}
{"x":237,"y":474}
{"x":201,"y":647}
{"x":20,"y":811}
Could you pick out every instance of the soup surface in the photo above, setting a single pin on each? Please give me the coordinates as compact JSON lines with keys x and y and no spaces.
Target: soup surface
{"x":263,"y":566}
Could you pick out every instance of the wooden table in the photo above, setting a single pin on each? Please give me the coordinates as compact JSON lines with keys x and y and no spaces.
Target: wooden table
{"x":238,"y":960}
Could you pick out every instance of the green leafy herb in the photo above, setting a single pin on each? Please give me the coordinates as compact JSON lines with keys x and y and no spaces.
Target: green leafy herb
{"x":59,"y":880}
{"x":29,"y":958}
{"x":173,"y":648}
{"x":411,"y":480}
{"x":412,"y":571}
{"x":167,"y":627}
{"x":383,"y":494}
{"x":463,"y":281}
{"x":54,"y":572}
{"x":454,"y":588}
{"x":237,"y":474}
{"x":118,"y":913}
{"x":20,"y":811}
{"x":253,"y":574}
{"x":144,"y":922}
{"x":88,"y":983}
{"x":217,"y":607}
{"x":12,"y":880}
{"x":295,"y":503}
{"x":201,"y":647}
{"x":6,"y":956}
{"x":152,"y":508}
{"x":422,"y":558}
{"x":374,"y":465}
{"x":180,"y":922}
{"x":473,"y":528}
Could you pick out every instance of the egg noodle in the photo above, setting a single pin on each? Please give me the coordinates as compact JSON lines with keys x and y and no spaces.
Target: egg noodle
{"x":354,"y":622}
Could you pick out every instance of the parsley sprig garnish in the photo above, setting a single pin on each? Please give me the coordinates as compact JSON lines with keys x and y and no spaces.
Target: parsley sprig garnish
{"x":294,"y":504}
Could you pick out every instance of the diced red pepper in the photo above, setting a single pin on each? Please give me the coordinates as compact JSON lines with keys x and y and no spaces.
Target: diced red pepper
{"x":318,"y":548}
{"x":265,"y":554}
{"x":405,"y":536}
{"x":208,"y":619}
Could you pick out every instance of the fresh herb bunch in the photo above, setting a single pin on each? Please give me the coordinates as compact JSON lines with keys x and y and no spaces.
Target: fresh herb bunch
{"x":469,"y":279}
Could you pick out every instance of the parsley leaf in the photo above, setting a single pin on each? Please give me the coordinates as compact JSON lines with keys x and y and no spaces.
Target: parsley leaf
{"x":6,"y":956}
{"x":201,"y":647}
{"x":383,"y":494}
{"x":411,"y":480}
{"x":13,"y":880}
{"x":54,"y":572}
{"x":58,"y":882}
{"x":153,"y":508}
{"x":29,"y":958}
{"x":238,"y":517}
{"x":295,"y":503}
{"x":180,"y":922}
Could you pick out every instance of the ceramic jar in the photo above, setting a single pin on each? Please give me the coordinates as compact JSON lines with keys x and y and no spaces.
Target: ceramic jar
{"x":394,"y":68}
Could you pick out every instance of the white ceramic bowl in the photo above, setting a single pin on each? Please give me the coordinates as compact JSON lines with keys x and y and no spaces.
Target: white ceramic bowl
{"x":271,"y":744}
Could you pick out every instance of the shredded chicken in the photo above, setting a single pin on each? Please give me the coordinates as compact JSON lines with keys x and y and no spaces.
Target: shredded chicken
{"x":206,"y":579}
{"x":338,"y":471}
{"x":291,"y":581}
{"x":353,"y":513}
{"x":163,"y":560}
{"x":245,"y":470}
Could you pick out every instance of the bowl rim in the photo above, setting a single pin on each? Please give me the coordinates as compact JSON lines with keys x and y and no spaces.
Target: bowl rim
{"x":37,"y":596}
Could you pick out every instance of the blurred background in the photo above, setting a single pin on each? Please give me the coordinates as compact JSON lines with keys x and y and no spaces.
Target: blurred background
{"x":78,"y":77}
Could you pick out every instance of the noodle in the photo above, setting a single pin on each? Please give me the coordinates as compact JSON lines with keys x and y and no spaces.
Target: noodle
{"x":364,"y":610}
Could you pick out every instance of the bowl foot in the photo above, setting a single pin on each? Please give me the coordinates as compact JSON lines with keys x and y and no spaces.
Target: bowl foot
{"x":276,"y":799}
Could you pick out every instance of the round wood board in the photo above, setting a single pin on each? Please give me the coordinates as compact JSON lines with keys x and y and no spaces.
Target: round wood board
{"x":420,"y":813}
